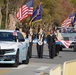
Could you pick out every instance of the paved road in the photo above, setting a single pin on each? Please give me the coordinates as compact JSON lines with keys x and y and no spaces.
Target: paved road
{"x":37,"y":65}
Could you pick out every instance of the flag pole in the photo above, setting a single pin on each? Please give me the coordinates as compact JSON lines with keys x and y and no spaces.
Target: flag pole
{"x":41,"y":17}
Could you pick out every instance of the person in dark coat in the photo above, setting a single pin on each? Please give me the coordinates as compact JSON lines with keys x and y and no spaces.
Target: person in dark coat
{"x":40,"y":43}
{"x":51,"y":43}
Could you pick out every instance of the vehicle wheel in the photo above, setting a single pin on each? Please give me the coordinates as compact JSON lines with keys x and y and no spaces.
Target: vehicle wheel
{"x":74,"y":48}
{"x":60,"y":48}
{"x":27,"y":59}
{"x":17,"y":59}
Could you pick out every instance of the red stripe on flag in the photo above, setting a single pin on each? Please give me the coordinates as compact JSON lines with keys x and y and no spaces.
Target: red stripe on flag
{"x":66,"y":22}
{"x":24,"y":12}
{"x":65,"y":43}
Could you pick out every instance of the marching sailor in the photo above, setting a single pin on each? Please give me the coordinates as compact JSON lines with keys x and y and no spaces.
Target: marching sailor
{"x":51,"y":38}
{"x":40,"y":43}
{"x":30,"y":36}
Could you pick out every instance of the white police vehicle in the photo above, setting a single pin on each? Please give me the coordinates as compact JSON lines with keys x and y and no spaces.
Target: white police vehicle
{"x":13,"y":48}
{"x":68,"y":34}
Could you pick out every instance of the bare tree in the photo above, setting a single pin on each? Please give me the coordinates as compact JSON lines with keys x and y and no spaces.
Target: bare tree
{"x":0,"y":17}
{"x":6,"y":21}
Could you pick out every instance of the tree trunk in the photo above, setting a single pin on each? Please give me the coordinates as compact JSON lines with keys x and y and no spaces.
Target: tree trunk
{"x":6,"y":22}
{"x":12,"y":21}
{"x":0,"y":17}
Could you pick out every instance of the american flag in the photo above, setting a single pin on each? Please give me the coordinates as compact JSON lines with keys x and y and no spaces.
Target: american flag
{"x":65,"y":43}
{"x":66,"y":22}
{"x":25,"y":11}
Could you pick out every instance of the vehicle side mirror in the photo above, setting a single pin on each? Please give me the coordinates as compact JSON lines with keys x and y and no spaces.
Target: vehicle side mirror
{"x":21,"y":40}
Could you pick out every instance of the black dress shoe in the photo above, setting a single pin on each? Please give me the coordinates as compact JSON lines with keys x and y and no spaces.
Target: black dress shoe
{"x":56,"y":54}
{"x":38,"y":57}
{"x":29,"y":56}
{"x":41,"y":57}
{"x":51,"y":57}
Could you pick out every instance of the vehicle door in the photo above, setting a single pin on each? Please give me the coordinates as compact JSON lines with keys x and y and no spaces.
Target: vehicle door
{"x":22,"y":47}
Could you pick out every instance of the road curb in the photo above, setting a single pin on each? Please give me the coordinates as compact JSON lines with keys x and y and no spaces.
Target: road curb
{"x":42,"y":73}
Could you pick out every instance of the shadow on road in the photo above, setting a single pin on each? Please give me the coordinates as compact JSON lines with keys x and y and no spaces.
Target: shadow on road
{"x":7,"y":65}
{"x":67,"y":51}
{"x":44,"y":56}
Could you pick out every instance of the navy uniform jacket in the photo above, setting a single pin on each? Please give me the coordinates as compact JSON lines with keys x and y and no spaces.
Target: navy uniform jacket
{"x":51,"y":39}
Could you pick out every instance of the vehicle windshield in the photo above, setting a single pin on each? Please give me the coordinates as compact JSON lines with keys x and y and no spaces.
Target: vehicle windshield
{"x":67,"y":30}
{"x":7,"y":36}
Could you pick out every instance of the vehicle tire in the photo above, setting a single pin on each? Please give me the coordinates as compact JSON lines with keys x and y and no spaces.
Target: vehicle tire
{"x":27,"y":59}
{"x":60,"y":48}
{"x":17,"y":59}
{"x":57,"y":49}
{"x":74,"y":48}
